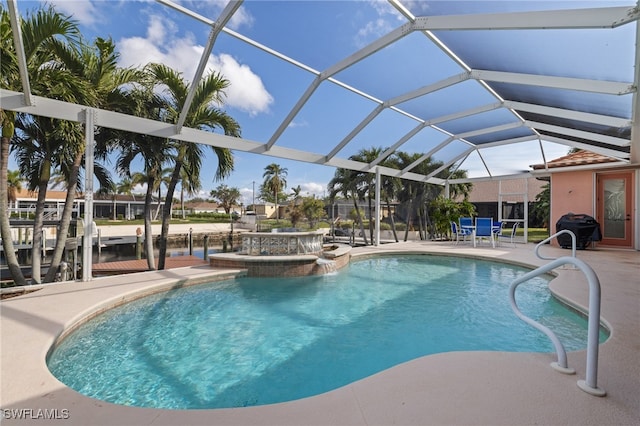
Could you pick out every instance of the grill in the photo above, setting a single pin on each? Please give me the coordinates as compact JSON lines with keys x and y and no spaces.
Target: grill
{"x":583,"y":226}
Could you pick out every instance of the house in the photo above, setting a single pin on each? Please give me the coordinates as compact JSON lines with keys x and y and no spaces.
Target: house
{"x":125,"y":206}
{"x":203,"y":207}
{"x":604,"y":188}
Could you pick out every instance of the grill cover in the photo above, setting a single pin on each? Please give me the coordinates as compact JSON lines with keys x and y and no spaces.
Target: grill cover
{"x":583,"y":226}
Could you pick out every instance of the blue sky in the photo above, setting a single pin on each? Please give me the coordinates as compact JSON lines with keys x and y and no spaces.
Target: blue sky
{"x":264,"y":89}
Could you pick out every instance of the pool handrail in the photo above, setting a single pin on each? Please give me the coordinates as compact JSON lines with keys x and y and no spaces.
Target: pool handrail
{"x":590,"y":384}
{"x":543,"y":242}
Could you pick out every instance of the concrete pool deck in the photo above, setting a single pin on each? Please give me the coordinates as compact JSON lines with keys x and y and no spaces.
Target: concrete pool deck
{"x":480,"y":388}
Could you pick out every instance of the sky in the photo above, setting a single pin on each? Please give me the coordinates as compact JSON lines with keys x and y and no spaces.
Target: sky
{"x":263,"y":89}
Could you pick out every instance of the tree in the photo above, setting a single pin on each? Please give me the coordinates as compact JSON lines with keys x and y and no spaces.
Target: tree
{"x":202,"y":114}
{"x":155,"y":153}
{"x":295,"y":195}
{"x":275,"y":180}
{"x":226,"y":197}
{"x":541,"y":210}
{"x":94,"y":68}
{"x":313,"y":210}
{"x":8,"y":119}
{"x":366,"y":181}
{"x":48,"y":36}
{"x":14,"y":185}
{"x":345,"y":182}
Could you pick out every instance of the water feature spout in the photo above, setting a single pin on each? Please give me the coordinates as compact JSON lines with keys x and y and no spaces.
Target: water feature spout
{"x":326,"y":266}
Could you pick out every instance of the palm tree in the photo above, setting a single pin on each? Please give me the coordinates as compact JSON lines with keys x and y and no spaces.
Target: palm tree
{"x":366,"y":181}
{"x":202,"y":114}
{"x":155,"y":152}
{"x":389,"y":189}
{"x":274,"y":181}
{"x":14,"y":182}
{"x":8,"y":119}
{"x":94,"y":67}
{"x":345,"y":183}
{"x":47,"y":37}
{"x":296,"y":195}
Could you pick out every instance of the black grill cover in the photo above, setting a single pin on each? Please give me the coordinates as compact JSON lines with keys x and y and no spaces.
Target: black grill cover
{"x":583,"y":226}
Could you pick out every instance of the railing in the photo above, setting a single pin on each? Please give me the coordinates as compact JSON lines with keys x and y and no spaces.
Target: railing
{"x":543,"y":242}
{"x":588,"y":385}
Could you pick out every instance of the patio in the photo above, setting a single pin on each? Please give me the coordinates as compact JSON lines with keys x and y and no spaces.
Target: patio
{"x":447,"y":388}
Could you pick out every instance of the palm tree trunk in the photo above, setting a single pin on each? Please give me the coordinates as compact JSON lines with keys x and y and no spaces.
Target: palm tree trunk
{"x":409,"y":214}
{"x":65,"y":221}
{"x":148,"y":232}
{"x":5,"y":226}
{"x":182,"y":202}
{"x":168,"y":201}
{"x":159,"y":203}
{"x":364,"y":234}
{"x":36,"y":244}
{"x":393,"y":222}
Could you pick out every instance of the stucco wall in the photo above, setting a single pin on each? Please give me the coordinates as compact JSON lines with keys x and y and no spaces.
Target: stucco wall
{"x":572,"y":192}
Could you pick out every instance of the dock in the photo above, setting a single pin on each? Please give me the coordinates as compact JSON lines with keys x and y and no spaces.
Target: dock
{"x":140,"y":265}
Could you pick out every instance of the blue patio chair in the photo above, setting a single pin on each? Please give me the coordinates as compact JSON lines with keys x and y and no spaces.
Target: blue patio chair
{"x":484,"y":230}
{"x":459,"y":232}
{"x":511,"y":236}
{"x":466,"y":223}
{"x":496,"y":228}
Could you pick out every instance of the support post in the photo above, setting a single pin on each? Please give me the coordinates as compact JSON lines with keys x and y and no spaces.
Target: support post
{"x":87,"y":243}
{"x":138,"y":243}
{"x":205,"y":249}
{"x":377,"y":208}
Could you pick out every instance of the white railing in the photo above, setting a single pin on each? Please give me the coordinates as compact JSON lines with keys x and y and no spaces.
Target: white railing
{"x":543,"y":242}
{"x":590,"y":384}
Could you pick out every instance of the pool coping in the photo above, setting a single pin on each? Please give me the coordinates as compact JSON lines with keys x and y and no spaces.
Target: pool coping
{"x":448,"y":388}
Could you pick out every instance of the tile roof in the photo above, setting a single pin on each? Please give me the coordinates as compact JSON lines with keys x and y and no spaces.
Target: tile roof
{"x":579,"y":158}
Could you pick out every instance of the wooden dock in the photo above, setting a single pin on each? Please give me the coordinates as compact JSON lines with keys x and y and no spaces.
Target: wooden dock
{"x":140,"y":265}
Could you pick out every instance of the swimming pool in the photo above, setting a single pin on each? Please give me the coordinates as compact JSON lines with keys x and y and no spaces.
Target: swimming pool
{"x":259,"y":341}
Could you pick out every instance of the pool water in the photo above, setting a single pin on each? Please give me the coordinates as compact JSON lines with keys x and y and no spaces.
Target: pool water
{"x":258,"y":341}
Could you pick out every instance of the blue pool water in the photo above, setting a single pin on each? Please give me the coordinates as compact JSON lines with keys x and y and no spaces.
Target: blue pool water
{"x":258,"y":341}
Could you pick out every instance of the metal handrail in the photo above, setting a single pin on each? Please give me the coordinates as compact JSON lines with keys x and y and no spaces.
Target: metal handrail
{"x":543,"y":242}
{"x":590,"y":384}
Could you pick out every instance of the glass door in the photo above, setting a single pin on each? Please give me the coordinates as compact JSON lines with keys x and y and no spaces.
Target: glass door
{"x":614,"y":208}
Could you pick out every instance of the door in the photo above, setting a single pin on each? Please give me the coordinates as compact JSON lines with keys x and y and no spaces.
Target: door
{"x":614,"y":204}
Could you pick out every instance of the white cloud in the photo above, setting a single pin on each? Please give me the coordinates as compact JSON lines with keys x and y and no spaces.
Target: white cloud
{"x":312,"y":188}
{"x":374,"y":29}
{"x":85,"y":12}
{"x":302,"y":123}
{"x":163,"y":45}
{"x":246,"y":92}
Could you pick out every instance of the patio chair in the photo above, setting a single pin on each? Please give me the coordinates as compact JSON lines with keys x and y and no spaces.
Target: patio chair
{"x":483,"y":230}
{"x":466,"y":223}
{"x":459,"y":232}
{"x":510,"y":236}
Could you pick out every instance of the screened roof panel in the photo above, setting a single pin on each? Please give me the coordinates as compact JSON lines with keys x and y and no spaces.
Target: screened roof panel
{"x":501,"y":135}
{"x":316,"y":81}
{"x":412,"y":60}
{"x":491,"y":118}
{"x":611,"y":130}
{"x":577,"y":53}
{"x":455,"y":98}
{"x":388,"y":127}
{"x":597,"y":103}
{"x":320,"y":47}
